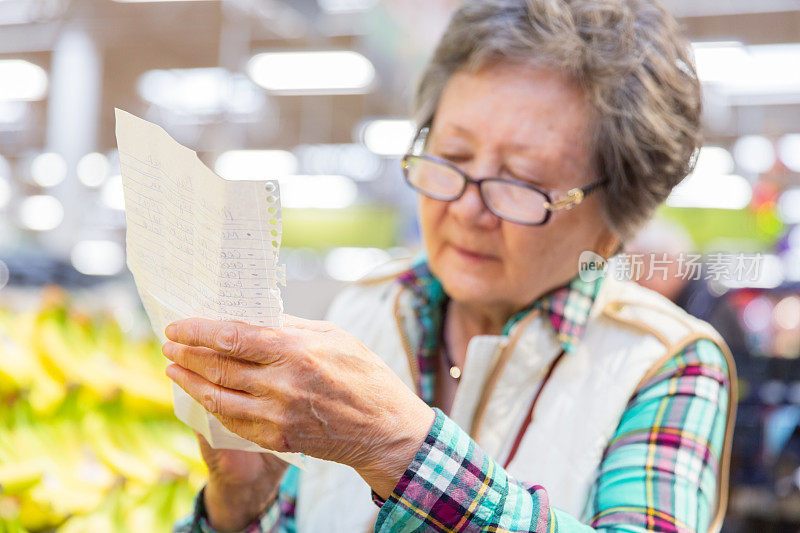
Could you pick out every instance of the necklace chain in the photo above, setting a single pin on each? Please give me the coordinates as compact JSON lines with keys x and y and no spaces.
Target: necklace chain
{"x":454,"y":369}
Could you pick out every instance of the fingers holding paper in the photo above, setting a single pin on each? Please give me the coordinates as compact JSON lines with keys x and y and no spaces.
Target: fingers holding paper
{"x":251,"y":343}
{"x":225,"y":371}
{"x":309,"y":387}
{"x":214,"y":398}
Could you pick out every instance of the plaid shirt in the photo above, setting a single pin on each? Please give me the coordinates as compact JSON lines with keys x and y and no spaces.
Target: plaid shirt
{"x":658,"y":472}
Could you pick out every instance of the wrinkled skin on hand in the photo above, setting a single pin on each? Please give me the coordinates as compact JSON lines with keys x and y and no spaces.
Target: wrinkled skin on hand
{"x":309,"y":387}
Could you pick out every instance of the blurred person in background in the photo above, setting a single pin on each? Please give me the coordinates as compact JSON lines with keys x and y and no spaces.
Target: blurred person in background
{"x":666,"y":250}
{"x":493,"y":384}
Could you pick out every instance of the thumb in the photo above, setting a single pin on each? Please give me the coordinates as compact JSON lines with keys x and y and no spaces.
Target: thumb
{"x":205,"y":447}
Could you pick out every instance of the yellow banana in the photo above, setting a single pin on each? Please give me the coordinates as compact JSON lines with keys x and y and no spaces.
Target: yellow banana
{"x":72,"y":367}
{"x":65,"y":449}
{"x":124,"y":463}
{"x":37,"y":516}
{"x":18,"y":477}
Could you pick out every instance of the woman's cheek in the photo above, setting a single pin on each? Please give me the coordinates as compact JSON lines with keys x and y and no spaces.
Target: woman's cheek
{"x":527,"y":259}
{"x":430,"y":218}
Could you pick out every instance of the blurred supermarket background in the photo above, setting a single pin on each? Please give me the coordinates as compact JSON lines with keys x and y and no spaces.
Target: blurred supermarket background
{"x":316,"y":93}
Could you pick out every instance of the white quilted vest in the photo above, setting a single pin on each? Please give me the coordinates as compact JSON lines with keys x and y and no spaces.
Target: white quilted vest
{"x":631,"y":331}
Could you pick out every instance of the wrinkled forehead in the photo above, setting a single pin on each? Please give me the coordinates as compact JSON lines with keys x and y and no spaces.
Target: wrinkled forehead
{"x":516,"y":109}
{"x":524,"y":103}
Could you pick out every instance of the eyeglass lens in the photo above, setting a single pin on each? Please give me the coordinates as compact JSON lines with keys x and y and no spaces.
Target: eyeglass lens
{"x":506,"y":200}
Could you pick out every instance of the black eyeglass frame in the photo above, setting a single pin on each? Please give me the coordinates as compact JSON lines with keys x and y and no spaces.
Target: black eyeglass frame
{"x":572,"y":198}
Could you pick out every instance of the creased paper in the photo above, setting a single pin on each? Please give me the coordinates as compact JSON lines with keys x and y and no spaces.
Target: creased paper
{"x":198,"y":246}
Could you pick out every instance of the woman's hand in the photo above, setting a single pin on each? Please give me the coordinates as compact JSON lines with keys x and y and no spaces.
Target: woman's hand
{"x":241,"y":485}
{"x":309,"y":387}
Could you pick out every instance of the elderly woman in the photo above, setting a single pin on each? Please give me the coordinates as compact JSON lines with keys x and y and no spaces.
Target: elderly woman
{"x":492,"y":384}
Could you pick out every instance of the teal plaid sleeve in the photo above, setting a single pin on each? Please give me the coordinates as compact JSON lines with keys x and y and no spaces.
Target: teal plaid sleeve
{"x":659,"y":472}
{"x":278,"y":518}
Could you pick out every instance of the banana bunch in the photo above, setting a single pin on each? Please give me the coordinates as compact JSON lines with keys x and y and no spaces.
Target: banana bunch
{"x":88,"y":441}
{"x":22,"y":372}
{"x":102,"y":367}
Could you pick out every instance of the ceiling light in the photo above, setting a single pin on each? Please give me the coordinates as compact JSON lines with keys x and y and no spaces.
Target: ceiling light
{"x":717,"y":62}
{"x":5,"y":192}
{"x":346,"y":6}
{"x":13,"y":111}
{"x":714,"y":160}
{"x":93,"y":169}
{"x":318,"y":191}
{"x":48,"y":169}
{"x":22,"y":80}
{"x":255,"y":164}
{"x":789,"y":206}
{"x":754,"y":153}
{"x":41,"y":213}
{"x":112,"y":194}
{"x":98,"y":258}
{"x":389,"y":137}
{"x":789,"y":151}
{"x":739,"y":70}
{"x":711,"y":191}
{"x":155,"y":1}
{"x":324,"y":72}
{"x":352,"y":160}
{"x":200,"y":91}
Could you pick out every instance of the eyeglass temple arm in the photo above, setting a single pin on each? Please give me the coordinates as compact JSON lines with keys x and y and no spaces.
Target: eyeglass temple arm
{"x":573,"y":197}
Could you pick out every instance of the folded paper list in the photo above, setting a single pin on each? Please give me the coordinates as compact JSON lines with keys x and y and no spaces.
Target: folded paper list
{"x":198,"y":246}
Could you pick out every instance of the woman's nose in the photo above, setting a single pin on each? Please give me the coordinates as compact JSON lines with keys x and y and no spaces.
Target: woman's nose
{"x":471,"y":209}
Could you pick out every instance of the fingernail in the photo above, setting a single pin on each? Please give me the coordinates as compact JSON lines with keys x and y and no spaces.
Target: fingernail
{"x":170,"y":331}
{"x":171,"y":372}
{"x":168,"y":349}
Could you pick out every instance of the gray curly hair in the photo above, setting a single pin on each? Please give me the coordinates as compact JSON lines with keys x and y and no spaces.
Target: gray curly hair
{"x":633,"y":65}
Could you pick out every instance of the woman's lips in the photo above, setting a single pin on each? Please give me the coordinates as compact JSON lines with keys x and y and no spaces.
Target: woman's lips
{"x":470,"y":255}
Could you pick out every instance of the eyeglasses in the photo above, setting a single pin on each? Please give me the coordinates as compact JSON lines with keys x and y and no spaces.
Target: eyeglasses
{"x":513,"y":200}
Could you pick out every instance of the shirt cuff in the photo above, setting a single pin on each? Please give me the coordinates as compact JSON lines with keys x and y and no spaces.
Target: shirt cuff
{"x":197,"y":522}
{"x":450,"y":484}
